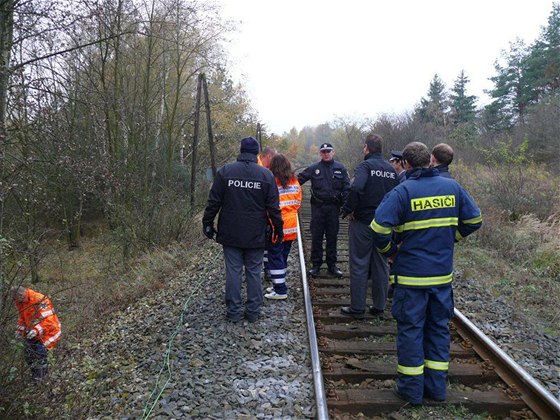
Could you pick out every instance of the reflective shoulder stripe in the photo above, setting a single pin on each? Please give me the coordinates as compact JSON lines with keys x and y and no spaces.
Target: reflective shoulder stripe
{"x":422,"y":281}
{"x":384,"y":250}
{"x":45,"y":314}
{"x":410,"y":370}
{"x":377,"y":228}
{"x":473,"y":221}
{"x":428,"y":223}
{"x":431,"y":364}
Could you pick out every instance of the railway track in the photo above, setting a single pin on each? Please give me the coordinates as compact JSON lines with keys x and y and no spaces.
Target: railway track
{"x":356,"y":359}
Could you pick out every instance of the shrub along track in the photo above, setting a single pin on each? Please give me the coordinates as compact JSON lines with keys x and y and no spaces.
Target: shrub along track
{"x":359,"y":358}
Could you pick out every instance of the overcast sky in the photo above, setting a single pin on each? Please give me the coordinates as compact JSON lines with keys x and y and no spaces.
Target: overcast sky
{"x":305,"y":62}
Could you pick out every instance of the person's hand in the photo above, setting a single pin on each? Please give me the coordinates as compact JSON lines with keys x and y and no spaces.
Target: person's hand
{"x":17,"y":334}
{"x":31,"y":334}
{"x":209,"y":231}
{"x":343,"y":213}
{"x":277,"y":238}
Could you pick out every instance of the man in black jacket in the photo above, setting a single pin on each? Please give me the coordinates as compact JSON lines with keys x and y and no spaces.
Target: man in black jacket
{"x":246,"y":196}
{"x":373,"y":178}
{"x":329,"y":186}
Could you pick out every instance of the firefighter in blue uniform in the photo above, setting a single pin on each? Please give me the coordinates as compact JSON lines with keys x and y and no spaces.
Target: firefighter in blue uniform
{"x":429,"y":213}
{"x":246,"y":196}
{"x":329,"y":187}
{"x":442,"y":156}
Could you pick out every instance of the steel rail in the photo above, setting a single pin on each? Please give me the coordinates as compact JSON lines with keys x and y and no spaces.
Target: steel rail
{"x":539,"y":399}
{"x":320,"y":396}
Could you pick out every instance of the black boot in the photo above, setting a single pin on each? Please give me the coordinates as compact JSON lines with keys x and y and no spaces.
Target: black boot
{"x":314,"y":272}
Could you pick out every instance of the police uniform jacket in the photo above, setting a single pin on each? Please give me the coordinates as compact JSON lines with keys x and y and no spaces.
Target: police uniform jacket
{"x":373,"y":178}
{"x":246,"y":195}
{"x":329,"y":182}
{"x":429,"y":213}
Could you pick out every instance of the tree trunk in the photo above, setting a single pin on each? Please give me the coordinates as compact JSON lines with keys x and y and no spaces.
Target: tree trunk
{"x":6,"y":40}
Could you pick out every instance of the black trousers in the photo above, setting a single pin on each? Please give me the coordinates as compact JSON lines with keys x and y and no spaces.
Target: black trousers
{"x":324,"y":222}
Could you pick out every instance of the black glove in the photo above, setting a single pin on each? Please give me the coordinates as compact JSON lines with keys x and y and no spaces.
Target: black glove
{"x":209,"y":231}
{"x":343,"y":213}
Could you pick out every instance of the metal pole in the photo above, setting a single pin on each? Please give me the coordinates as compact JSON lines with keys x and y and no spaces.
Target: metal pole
{"x":320,"y":396}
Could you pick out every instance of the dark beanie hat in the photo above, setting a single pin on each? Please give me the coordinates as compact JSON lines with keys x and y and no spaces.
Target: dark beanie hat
{"x":249,"y":145}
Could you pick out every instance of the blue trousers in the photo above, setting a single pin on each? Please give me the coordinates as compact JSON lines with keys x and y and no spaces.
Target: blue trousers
{"x":423,"y":340}
{"x":277,"y":265}
{"x":36,"y":357}
{"x":236,"y":259}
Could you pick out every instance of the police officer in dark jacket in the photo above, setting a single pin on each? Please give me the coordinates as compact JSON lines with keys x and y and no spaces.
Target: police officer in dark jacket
{"x":329,"y":187}
{"x":397,"y":162}
{"x":246,"y":196}
{"x":373,"y":178}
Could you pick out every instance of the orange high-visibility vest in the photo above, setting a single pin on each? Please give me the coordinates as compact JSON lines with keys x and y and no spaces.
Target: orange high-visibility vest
{"x":36,"y":312}
{"x":290,"y":202}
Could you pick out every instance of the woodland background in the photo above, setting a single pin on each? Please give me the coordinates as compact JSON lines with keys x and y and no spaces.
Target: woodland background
{"x":102,"y":175}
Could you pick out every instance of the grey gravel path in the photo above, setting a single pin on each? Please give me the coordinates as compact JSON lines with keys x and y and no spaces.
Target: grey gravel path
{"x":217,"y":369}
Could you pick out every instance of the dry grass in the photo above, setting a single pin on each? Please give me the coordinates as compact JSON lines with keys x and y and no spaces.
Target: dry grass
{"x":87,"y":284}
{"x":516,"y":253}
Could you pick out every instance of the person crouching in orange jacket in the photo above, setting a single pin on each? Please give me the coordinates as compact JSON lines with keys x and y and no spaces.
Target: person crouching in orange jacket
{"x":38,"y":324}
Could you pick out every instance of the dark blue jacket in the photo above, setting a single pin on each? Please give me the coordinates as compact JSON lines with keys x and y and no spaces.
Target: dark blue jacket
{"x":246,"y":195}
{"x":429,"y":213}
{"x":444,"y":171}
{"x":329,"y":182}
{"x":373,"y":178}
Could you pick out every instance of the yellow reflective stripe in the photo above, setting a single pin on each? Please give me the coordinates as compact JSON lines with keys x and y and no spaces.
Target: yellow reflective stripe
{"x":473,"y":221}
{"x":431,"y":364}
{"x":458,"y":236}
{"x":410,"y":370}
{"x":377,"y":228}
{"x":384,"y":250}
{"x":428,"y":223}
{"x":422,"y":281}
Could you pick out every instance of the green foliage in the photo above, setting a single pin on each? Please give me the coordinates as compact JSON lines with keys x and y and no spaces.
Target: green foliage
{"x":525,"y":76}
{"x":505,"y":153}
{"x":463,"y":106}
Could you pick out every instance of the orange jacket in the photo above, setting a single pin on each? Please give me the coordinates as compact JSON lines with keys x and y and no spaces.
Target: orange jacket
{"x":290,"y":201}
{"x":36,"y":312}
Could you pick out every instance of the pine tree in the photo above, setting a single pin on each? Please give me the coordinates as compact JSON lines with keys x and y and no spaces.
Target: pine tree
{"x":513,"y":92}
{"x":463,"y":108}
{"x":434,"y":108}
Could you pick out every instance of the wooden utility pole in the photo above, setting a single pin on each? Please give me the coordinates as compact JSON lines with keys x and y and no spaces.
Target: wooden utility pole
{"x":195,"y":140}
{"x":258,"y":135}
{"x":209,"y":123}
